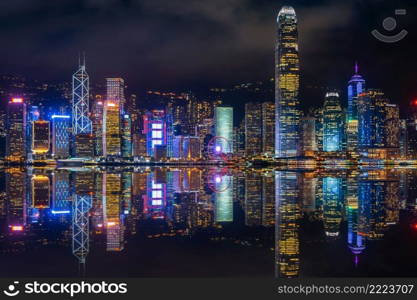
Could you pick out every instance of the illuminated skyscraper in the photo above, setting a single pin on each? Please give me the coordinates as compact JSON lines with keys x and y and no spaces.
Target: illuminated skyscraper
{"x":287,"y":77}
{"x":356,"y":86}
{"x":332,"y":123}
{"x":81,"y":123}
{"x":115,"y":92}
{"x":40,"y":137}
{"x":223,"y":117}
{"x":155,"y":129}
{"x":268,"y":128}
{"x":253,"y":129}
{"x":97,"y":120}
{"x":126,"y":136}
{"x":16,"y":130}
{"x":60,"y":136}
{"x":111,"y":129}
{"x":309,"y":138}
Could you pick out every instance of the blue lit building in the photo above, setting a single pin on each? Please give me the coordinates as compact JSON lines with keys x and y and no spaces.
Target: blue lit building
{"x":61,"y":136}
{"x":61,"y":197}
{"x":356,"y":86}
{"x":333,"y":129}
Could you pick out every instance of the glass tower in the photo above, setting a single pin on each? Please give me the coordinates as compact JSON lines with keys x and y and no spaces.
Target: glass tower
{"x":287,"y":82}
{"x":224,"y":128}
{"x":60,"y":136}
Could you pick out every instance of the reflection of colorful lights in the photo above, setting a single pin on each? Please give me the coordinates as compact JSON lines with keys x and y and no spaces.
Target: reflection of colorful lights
{"x":111,"y":224}
{"x":17,"y":100}
{"x":99,"y":225}
{"x":218,"y":149}
{"x":16,"y":228}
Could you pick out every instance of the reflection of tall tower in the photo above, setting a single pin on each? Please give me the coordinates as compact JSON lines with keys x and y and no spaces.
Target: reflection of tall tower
{"x":355,"y":238}
{"x":112,"y":189}
{"x":40,"y":191}
{"x":287,"y":225}
{"x":16,"y":204}
{"x":81,"y":205}
{"x":287,"y":76}
{"x":223,"y":197}
{"x":80,"y":227}
{"x":268,"y":200}
{"x":253,"y":199}
{"x":332,"y":206}
{"x":60,"y":193}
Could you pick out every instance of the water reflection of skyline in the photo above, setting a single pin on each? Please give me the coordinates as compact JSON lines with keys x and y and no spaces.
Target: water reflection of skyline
{"x":77,"y":209}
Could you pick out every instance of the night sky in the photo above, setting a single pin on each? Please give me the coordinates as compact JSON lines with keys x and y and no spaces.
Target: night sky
{"x":181,"y":45}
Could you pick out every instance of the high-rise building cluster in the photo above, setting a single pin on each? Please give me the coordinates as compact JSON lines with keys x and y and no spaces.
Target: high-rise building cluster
{"x":114,"y":127}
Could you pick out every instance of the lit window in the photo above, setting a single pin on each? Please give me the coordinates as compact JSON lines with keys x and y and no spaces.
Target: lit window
{"x":156,"y":126}
{"x":156,"y":142}
{"x":156,"y":202}
{"x":156,"y":194}
{"x":156,"y":134}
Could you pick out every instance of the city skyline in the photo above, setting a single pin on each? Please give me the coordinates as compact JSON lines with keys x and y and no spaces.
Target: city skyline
{"x":359,"y":18}
{"x":113,"y":127}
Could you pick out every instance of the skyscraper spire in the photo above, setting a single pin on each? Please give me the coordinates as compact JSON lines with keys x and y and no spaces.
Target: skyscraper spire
{"x":356,"y":67}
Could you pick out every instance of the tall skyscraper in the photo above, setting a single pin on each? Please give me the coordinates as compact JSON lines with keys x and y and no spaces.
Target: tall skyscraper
{"x":287,"y":77}
{"x":16,"y":130}
{"x":332,"y":123}
{"x":60,"y":136}
{"x":81,"y":123}
{"x":40,"y":137}
{"x":115,"y":92}
{"x":268,"y":128}
{"x":309,"y":138}
{"x":223,"y":116}
{"x":126,"y":136}
{"x":253,"y":129}
{"x":111,"y":129}
{"x":97,"y":120}
{"x":356,"y":86}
